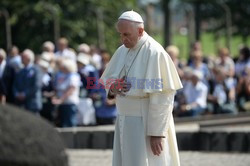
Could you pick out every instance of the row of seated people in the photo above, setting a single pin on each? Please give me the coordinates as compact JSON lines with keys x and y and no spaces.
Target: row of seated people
{"x":212,"y":84}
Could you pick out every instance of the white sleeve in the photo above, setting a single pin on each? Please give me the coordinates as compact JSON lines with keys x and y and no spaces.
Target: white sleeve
{"x":74,"y":80}
{"x":160,"y":110}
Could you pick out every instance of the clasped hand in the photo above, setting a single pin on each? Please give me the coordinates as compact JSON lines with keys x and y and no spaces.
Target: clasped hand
{"x":120,"y":87}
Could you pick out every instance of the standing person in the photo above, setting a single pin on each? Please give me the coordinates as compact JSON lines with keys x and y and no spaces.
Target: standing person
{"x":86,"y":110}
{"x":63,"y":50}
{"x":7,"y":75}
{"x":3,"y":90}
{"x":67,"y":86}
{"x":47,"y":90}
{"x":48,"y":46}
{"x":27,"y":84}
{"x":14,"y":59}
{"x":144,"y":81}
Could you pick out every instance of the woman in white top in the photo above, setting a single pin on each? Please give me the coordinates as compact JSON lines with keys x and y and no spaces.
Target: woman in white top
{"x":67,"y":85}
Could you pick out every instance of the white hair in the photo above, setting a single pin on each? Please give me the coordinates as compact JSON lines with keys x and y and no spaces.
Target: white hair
{"x":173,"y":49}
{"x":49,"y":46}
{"x":47,"y":56}
{"x":69,"y":65}
{"x":30,"y":54}
{"x":198,"y":74}
{"x":84,"y":48}
{"x":138,"y":24}
{"x":134,"y":24}
{"x":2,"y":53}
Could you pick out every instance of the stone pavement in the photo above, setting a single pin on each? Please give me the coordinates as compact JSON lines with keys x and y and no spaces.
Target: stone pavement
{"x":103,"y":158}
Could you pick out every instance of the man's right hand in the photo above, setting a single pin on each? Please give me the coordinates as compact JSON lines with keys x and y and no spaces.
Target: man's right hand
{"x":120,"y":87}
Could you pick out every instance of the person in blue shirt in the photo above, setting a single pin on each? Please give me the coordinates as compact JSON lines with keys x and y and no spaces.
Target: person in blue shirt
{"x":105,"y":108}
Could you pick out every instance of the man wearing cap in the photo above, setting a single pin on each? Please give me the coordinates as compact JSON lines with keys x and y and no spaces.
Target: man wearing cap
{"x":143,"y":81}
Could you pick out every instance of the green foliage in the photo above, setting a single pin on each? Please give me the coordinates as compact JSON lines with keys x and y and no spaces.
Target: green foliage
{"x":214,"y":12}
{"x":209,"y":44}
{"x":33,"y":21}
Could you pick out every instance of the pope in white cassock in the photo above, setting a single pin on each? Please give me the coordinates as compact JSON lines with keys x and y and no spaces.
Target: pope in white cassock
{"x":144,"y":81}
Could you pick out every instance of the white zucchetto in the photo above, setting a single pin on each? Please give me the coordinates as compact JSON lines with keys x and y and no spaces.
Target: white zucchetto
{"x":131,"y":16}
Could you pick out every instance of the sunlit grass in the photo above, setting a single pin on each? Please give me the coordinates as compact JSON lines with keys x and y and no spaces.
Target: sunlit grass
{"x":209,"y":44}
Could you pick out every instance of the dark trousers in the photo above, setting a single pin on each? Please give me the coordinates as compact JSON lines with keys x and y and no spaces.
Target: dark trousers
{"x":67,"y":115}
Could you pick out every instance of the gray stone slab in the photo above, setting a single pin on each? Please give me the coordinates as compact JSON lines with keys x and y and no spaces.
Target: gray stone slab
{"x":100,"y":140}
{"x":185,"y":140}
{"x":201,"y":141}
{"x":238,"y":142}
{"x":68,"y":138}
{"x":248,"y":141}
{"x":219,"y":142}
{"x":110,"y":140}
{"x":83,"y":140}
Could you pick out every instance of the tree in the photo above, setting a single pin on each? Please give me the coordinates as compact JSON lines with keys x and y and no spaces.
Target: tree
{"x":216,"y":12}
{"x":33,"y":22}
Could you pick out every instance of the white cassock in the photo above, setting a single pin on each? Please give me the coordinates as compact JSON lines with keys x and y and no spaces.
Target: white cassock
{"x":146,"y":110}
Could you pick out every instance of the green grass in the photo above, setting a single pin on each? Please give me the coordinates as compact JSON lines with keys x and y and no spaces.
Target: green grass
{"x":209,"y":45}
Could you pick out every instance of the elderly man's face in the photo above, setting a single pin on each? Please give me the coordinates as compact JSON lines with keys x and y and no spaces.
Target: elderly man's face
{"x":129,"y":33}
{"x":25,"y":59}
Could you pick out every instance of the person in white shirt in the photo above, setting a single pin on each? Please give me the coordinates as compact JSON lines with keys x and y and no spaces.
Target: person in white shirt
{"x":3,"y":90}
{"x":195,"y":92}
{"x":221,"y":99}
{"x":64,"y":51}
{"x":14,"y":59}
{"x":96,"y":58}
{"x":67,"y":93}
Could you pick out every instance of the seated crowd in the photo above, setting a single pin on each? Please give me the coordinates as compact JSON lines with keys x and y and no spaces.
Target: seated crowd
{"x":212,"y":84}
{"x":55,"y":84}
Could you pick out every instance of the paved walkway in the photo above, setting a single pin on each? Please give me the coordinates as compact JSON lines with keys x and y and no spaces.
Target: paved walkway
{"x":103,"y":158}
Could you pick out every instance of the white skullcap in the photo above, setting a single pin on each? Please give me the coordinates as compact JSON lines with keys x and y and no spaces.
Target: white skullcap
{"x":131,"y":16}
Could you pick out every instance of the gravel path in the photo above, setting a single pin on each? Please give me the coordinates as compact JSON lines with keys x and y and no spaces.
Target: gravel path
{"x":104,"y":158}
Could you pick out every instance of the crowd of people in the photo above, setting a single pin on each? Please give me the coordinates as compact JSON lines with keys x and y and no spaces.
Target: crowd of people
{"x":212,"y":84}
{"x":55,"y":83}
